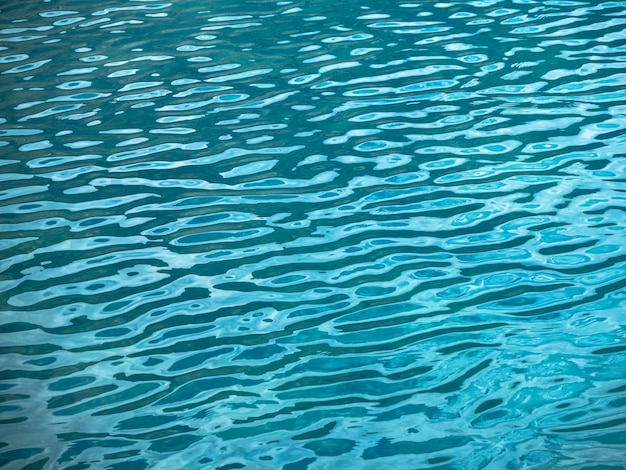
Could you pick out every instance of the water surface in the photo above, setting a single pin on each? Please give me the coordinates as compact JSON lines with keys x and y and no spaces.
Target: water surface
{"x":313,"y":235}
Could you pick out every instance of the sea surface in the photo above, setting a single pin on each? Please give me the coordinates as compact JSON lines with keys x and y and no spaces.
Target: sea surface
{"x":305,"y":235}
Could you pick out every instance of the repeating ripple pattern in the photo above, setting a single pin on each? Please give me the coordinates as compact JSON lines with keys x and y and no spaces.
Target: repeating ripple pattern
{"x":301,"y":235}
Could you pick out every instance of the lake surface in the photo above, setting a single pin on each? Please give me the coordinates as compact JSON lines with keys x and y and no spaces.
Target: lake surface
{"x":307,"y":235}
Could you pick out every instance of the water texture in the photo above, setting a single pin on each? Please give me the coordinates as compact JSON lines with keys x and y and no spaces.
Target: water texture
{"x":313,"y":235}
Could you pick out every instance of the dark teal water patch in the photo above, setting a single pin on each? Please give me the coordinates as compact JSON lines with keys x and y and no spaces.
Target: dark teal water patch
{"x":297,"y":235}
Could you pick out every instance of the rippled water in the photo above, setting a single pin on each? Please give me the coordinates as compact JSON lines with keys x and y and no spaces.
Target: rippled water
{"x":313,"y":235}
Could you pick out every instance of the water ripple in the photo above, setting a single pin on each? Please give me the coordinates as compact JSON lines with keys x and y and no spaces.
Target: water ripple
{"x":302,"y":237}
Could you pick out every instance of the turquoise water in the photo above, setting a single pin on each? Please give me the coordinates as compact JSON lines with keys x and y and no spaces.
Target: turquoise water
{"x":313,"y":235}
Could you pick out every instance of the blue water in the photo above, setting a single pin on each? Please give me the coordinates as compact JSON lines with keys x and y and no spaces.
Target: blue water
{"x":305,"y":235}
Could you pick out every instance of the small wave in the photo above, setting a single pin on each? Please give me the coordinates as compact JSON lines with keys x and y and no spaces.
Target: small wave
{"x":304,"y":237}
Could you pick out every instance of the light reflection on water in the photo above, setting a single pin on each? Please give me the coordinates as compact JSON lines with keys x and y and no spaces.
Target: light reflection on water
{"x":304,"y":236}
